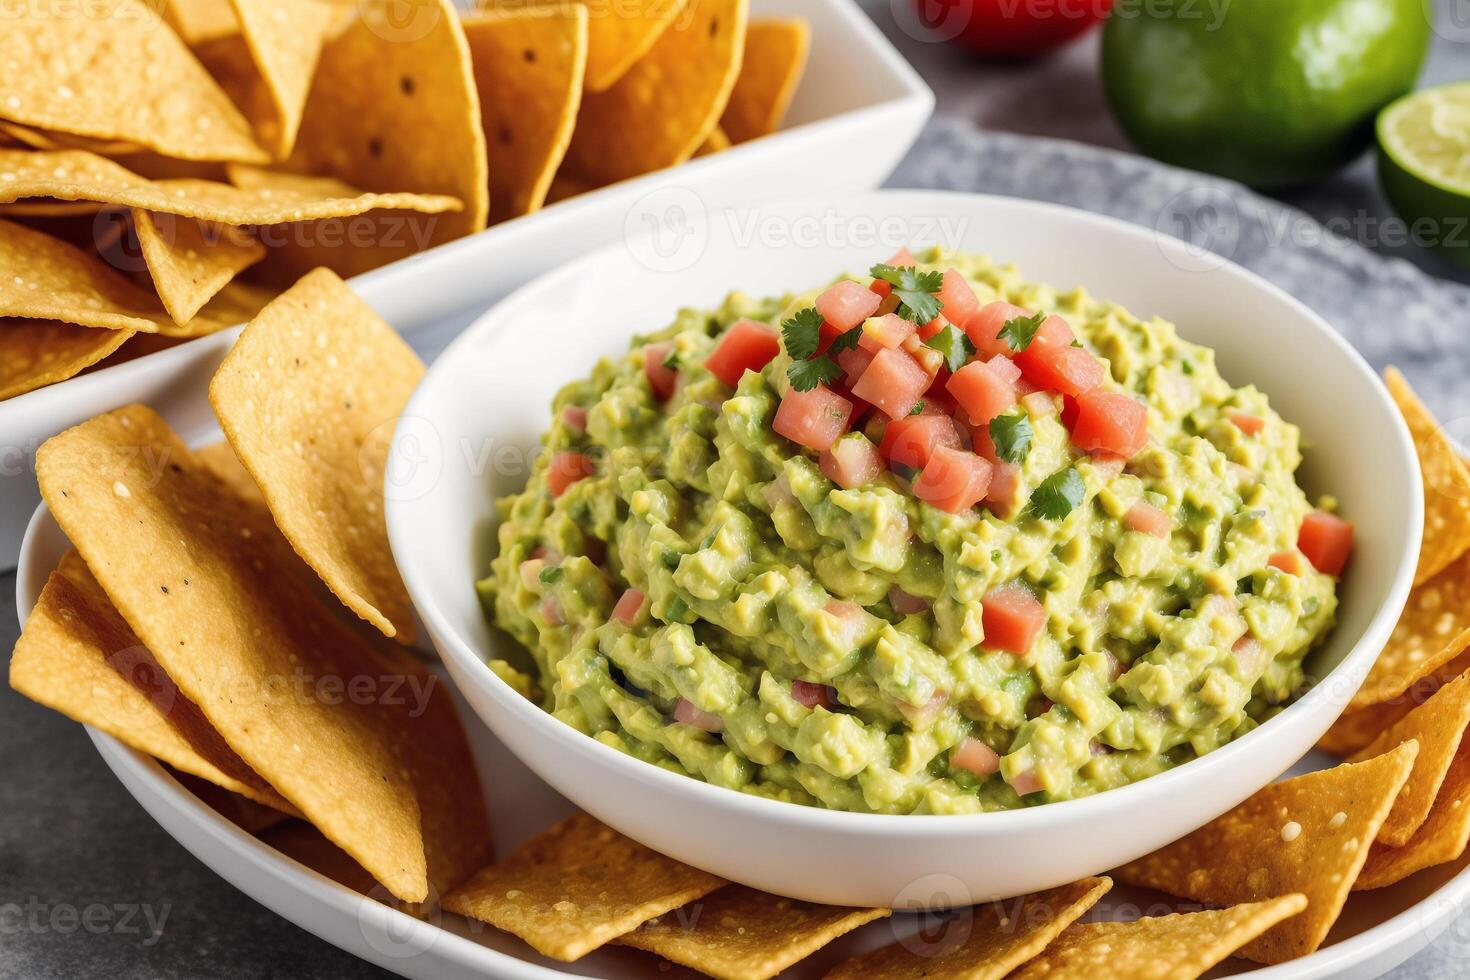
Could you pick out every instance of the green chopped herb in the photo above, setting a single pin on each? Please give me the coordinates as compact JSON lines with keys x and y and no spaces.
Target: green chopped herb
{"x":551,"y":575}
{"x":806,"y":375}
{"x":918,"y":408}
{"x":676,"y":610}
{"x":995,"y":557}
{"x":914,"y":289}
{"x":1187,"y":366}
{"x":954,"y":345}
{"x":1058,"y":495}
{"x":670,"y":559}
{"x":671,"y":360}
{"x":846,"y":341}
{"x":802,"y":333}
{"x":1019,"y":332}
{"x":1012,"y":437}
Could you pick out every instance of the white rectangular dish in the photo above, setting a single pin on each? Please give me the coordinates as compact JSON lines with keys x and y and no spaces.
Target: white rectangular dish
{"x":859,"y":108}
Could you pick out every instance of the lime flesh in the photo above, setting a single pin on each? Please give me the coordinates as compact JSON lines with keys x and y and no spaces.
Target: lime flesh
{"x":1424,"y":166}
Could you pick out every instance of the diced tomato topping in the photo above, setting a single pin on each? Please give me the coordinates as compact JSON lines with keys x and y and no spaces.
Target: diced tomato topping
{"x":975,"y":756}
{"x":687,"y":714}
{"x":983,"y":327}
{"x":1069,"y":411}
{"x":1249,"y":424}
{"x":810,"y":695}
{"x":881,"y":288}
{"x":1012,"y":618}
{"x":575,"y":416}
{"x":846,"y":304}
{"x":1147,"y":518}
{"x":905,"y":604}
{"x":885,"y":332}
{"x":1007,"y":369}
{"x":1289,"y":562}
{"x":1326,"y":540}
{"x":893,"y":382}
{"x":956,"y":299}
{"x":1108,"y":422}
{"x":1005,"y":479}
{"x":628,"y":604}
{"x":660,"y":378}
{"x":1025,"y":783}
{"x":983,"y":391}
{"x":911,"y":440}
{"x":567,"y":468}
{"x":813,"y":419}
{"x":927,"y":330}
{"x":1070,"y":370}
{"x":852,"y":461}
{"x":953,"y":480}
{"x":852,"y":620}
{"x":922,"y":716}
{"x":746,"y":346}
{"x":551,"y":611}
{"x":854,"y":362}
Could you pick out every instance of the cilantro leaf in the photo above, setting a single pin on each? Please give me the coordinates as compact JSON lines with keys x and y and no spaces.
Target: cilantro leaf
{"x":846,"y":341}
{"x":671,"y":359}
{"x":1011,"y":435}
{"x":1019,"y":332}
{"x":550,"y":575}
{"x":1058,"y":495}
{"x":806,"y":375}
{"x":676,"y":609}
{"x":954,"y":345}
{"x":918,"y":408}
{"x":914,"y":289}
{"x":802,"y":332}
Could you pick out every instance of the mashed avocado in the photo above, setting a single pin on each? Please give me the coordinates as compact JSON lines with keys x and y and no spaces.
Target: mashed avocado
{"x":789,"y":637}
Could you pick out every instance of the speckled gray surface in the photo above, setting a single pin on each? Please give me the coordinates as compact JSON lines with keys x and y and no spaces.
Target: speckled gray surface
{"x":86,"y":875}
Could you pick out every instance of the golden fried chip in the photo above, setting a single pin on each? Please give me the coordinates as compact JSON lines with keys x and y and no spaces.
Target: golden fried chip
{"x":999,"y":937}
{"x":207,"y":583}
{"x":664,"y":107}
{"x":308,"y":397}
{"x":739,"y":933}
{"x":36,"y":353}
{"x":48,"y":279}
{"x":775,"y":56}
{"x":619,"y":35}
{"x":1433,"y":630}
{"x":223,"y":463}
{"x":112,"y":70}
{"x":1437,"y":725}
{"x":189,"y":261}
{"x":75,"y":175}
{"x":529,"y":65}
{"x":38,"y":139}
{"x":45,"y":208}
{"x":1355,"y":729}
{"x":197,"y":21}
{"x":1177,"y":947}
{"x":578,"y":886}
{"x":715,"y":142}
{"x":243,"y":812}
{"x":304,"y":844}
{"x":1439,"y":840}
{"x":1446,"y":483}
{"x":1309,"y":834}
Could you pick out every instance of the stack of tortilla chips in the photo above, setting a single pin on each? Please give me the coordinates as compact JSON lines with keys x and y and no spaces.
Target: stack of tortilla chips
{"x":163,"y":175}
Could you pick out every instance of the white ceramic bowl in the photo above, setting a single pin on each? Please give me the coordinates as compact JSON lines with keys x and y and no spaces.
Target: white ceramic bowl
{"x":486,"y":401}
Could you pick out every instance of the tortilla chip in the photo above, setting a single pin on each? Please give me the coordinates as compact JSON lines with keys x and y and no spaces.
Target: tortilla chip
{"x":38,"y":139}
{"x":44,"y":208}
{"x":1432,"y":631}
{"x":243,"y":812}
{"x":1000,"y":937}
{"x":715,"y":142}
{"x":1442,"y":837}
{"x":1446,"y":483}
{"x":529,"y":65}
{"x":48,"y":279}
{"x":739,"y":933}
{"x":85,"y":75}
{"x":1437,"y":725}
{"x":1309,"y":834}
{"x":197,"y":21}
{"x":223,"y":463}
{"x":393,"y":106}
{"x":74,"y":175}
{"x":304,"y":844}
{"x":775,"y":56}
{"x":191,"y":262}
{"x":662,"y":110}
{"x":618,"y":36}
{"x":36,"y":353}
{"x":308,"y":397}
{"x":210,"y":587}
{"x":578,"y":886}
{"x":1175,"y":946}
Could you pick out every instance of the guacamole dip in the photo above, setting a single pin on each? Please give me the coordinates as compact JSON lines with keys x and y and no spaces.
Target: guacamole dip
{"x":930,"y":540}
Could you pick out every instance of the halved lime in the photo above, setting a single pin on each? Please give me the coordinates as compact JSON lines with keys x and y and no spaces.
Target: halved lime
{"x":1424,"y":165}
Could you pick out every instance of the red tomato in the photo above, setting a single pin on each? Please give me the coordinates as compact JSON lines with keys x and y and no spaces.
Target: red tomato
{"x":1148,"y":519}
{"x":810,"y":695}
{"x":575,"y":416}
{"x":1008,"y":28}
{"x":746,"y":346}
{"x":956,"y":299}
{"x":1012,"y":618}
{"x":685,"y":713}
{"x":628,"y":604}
{"x":852,"y":462}
{"x":982,"y":391}
{"x":813,"y":419}
{"x":660,"y":378}
{"x":1289,"y":562}
{"x":1249,"y":424}
{"x":1326,"y":540}
{"x":953,"y":480}
{"x":846,"y":304}
{"x":984,"y":325}
{"x":854,"y":362}
{"x":975,"y":756}
{"x":885,"y":332}
{"x":893,"y":382}
{"x":566,"y":469}
{"x":911,"y":441}
{"x":1070,"y":370}
{"x":1110,"y":423}
{"x":1005,"y":480}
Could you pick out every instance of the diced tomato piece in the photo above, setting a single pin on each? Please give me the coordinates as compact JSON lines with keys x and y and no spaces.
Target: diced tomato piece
{"x":983,"y":327}
{"x":813,"y":419}
{"x":975,"y":756}
{"x":1070,"y":370}
{"x":852,"y":461}
{"x":937,"y":401}
{"x":956,"y":299}
{"x":575,"y":416}
{"x":1147,"y":518}
{"x":893,"y":382}
{"x":851,"y":619}
{"x":885,"y":332}
{"x":881,"y":287}
{"x":846,"y":304}
{"x":627,"y":606}
{"x":1109,"y":422}
{"x":923,"y":716}
{"x":746,"y":346}
{"x":1005,"y":479}
{"x":1326,"y":540}
{"x":660,"y":378}
{"x":911,"y":440}
{"x":811,"y":695}
{"x":1005,"y":368}
{"x":1026,"y":782}
{"x":905,"y":604}
{"x":567,"y":468}
{"x":687,"y":714}
{"x":982,"y":391}
{"x":927,"y":330}
{"x":1289,"y":562}
{"x":1012,"y":618}
{"x":953,"y":480}
{"x":551,"y":611}
{"x":1249,"y":424}
{"x":854,"y":362}
{"x":1069,"y":411}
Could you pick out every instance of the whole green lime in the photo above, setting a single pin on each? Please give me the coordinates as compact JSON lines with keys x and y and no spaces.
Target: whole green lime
{"x":1424,"y":165}
{"x":1270,"y":92}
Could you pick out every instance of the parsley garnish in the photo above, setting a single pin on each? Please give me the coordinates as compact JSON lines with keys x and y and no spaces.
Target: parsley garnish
{"x":914,"y":289}
{"x":676,"y":610}
{"x":1012,"y":437}
{"x":1058,"y":495}
{"x":954,"y":345}
{"x":918,"y":408}
{"x":1019,"y":333}
{"x":846,"y":341}
{"x":802,"y":332}
{"x":806,"y":375}
{"x":550,"y":575}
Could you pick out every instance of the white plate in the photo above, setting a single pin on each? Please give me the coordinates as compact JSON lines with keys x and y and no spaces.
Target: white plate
{"x":858,"y":109}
